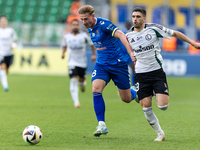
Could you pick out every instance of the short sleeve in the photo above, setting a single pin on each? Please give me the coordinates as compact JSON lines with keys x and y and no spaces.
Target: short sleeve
{"x":64,"y":41}
{"x":14,"y":35}
{"x":88,"y":39}
{"x":108,"y":27}
{"x":161,"y":31}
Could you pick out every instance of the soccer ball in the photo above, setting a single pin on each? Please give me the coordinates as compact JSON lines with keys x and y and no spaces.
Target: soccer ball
{"x":32,"y":134}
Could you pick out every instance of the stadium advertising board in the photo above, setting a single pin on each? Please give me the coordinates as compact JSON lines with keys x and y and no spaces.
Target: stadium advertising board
{"x":179,"y":64}
{"x":40,"y":61}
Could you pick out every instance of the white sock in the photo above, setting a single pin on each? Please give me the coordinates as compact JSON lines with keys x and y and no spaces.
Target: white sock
{"x":153,"y":120}
{"x":4,"y":81}
{"x":102,"y":123}
{"x":74,"y":90}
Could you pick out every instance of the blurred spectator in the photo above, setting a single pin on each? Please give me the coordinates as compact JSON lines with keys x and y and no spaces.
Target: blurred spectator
{"x":169,"y":44}
{"x":76,"y":4}
{"x":192,"y":50}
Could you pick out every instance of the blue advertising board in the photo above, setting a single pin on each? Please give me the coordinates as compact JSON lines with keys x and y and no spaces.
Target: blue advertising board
{"x":174,"y":64}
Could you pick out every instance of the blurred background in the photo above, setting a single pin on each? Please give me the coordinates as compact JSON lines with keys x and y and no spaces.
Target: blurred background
{"x":41,"y":24}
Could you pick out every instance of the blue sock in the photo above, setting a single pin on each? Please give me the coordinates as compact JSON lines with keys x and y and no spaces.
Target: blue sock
{"x":133,"y":94}
{"x":133,"y":79}
{"x":99,"y":106}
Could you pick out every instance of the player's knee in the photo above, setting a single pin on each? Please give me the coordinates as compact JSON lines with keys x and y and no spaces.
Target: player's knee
{"x":126,"y":99}
{"x":163,"y":107}
{"x":96,"y":89}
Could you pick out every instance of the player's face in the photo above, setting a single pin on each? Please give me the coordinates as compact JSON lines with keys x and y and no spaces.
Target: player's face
{"x":138,"y":19}
{"x":75,"y":26}
{"x":87,"y":20}
{"x":3,"y":22}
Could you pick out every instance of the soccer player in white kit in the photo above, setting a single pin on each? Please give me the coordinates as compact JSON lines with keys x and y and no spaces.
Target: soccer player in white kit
{"x":8,"y":39}
{"x":150,"y":77}
{"x":75,"y":43}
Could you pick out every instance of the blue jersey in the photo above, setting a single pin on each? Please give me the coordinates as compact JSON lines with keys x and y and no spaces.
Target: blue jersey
{"x":110,"y":50}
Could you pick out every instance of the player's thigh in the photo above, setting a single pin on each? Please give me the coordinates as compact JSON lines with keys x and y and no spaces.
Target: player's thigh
{"x":161,"y":89}
{"x":146,"y":102}
{"x":125,"y":95}
{"x":120,"y":76}
{"x":162,"y":99}
{"x":73,"y":71}
{"x":98,"y":85}
{"x":143,"y":85}
{"x":9,"y":60}
{"x":81,"y":73}
{"x":100,"y":72}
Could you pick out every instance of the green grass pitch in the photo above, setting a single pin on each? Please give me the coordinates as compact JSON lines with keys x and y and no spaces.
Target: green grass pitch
{"x":45,"y":101}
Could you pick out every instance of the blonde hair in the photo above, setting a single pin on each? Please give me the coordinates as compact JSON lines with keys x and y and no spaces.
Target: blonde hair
{"x":86,"y":9}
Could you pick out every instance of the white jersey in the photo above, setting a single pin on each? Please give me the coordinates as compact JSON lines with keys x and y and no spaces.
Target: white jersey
{"x":146,"y":46}
{"x":7,"y":37}
{"x":76,"y":48}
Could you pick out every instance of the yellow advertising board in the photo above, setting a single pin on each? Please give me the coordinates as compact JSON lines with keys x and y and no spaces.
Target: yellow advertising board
{"x":39,"y":61}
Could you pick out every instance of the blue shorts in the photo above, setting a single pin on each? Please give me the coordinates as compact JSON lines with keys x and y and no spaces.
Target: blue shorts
{"x":119,"y":75}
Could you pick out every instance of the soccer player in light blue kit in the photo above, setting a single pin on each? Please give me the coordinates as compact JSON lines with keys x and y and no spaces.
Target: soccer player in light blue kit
{"x":112,"y":58}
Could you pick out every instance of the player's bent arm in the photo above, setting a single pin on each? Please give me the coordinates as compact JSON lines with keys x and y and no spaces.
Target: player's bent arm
{"x":184,"y":38}
{"x":94,"y":55}
{"x":120,"y":35}
{"x":64,"y":49}
{"x":14,"y":45}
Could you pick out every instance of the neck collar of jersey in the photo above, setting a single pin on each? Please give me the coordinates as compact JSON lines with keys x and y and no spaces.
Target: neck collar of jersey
{"x":95,"y":23}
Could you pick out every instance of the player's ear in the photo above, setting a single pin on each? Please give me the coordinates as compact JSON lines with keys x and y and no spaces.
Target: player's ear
{"x":93,"y":15}
{"x":144,"y":19}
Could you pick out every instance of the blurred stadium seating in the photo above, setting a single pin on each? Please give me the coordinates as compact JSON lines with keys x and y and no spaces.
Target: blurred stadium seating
{"x":36,"y":21}
{"x":48,"y":11}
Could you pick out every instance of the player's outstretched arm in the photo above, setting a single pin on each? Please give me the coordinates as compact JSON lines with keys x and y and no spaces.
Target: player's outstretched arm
{"x":120,"y":35}
{"x":184,"y":38}
{"x":94,"y":55}
{"x":64,"y":48}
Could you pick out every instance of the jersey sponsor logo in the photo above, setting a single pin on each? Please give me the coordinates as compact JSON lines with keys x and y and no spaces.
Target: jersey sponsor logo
{"x":75,"y":47}
{"x":168,"y":31}
{"x":148,"y":37}
{"x":132,"y":40}
{"x":101,"y":48}
{"x":139,"y":37}
{"x":142,"y":49}
{"x":108,"y":27}
{"x":4,"y":39}
{"x":97,"y":43}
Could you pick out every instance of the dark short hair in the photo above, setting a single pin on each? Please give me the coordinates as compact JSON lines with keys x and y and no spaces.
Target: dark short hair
{"x":143,"y":11}
{"x":75,"y":20}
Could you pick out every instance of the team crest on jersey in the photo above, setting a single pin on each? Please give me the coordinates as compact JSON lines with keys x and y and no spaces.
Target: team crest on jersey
{"x":148,"y":37}
{"x":93,"y":34}
{"x":98,"y":33}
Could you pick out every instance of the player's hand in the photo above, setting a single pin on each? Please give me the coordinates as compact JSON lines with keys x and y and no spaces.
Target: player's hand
{"x":63,"y":56}
{"x":93,"y":58}
{"x":196,"y":45}
{"x":133,"y":57}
